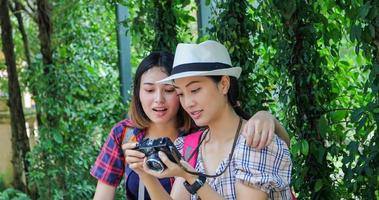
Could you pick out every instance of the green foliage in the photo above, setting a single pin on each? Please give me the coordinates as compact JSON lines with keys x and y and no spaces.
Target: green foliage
{"x":232,"y":26}
{"x":362,"y":159}
{"x":315,"y":64}
{"x":300,"y":56}
{"x":158,"y":25}
{"x":13,"y":194}
{"x":82,"y":93}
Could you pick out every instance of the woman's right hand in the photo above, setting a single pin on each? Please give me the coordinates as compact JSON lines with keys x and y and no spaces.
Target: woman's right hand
{"x":133,"y":158}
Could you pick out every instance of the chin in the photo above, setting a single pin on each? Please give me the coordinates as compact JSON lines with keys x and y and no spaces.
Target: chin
{"x":161,"y":121}
{"x":200,"y":123}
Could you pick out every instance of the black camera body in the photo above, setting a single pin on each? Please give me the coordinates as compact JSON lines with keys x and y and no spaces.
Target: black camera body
{"x":151,"y":147}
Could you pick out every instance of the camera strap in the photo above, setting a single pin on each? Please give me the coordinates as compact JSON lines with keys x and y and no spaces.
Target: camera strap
{"x":141,"y":190}
{"x":197,"y":151}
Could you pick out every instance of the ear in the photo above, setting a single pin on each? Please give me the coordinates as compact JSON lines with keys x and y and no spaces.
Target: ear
{"x":224,"y":84}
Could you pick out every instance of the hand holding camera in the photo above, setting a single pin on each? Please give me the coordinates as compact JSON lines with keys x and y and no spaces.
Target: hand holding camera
{"x":151,"y":147}
{"x":133,"y":158}
{"x":156,"y":157}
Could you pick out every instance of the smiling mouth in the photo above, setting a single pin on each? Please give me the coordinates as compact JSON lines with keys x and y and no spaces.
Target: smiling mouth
{"x":195,"y":114}
{"x":159,"y":109}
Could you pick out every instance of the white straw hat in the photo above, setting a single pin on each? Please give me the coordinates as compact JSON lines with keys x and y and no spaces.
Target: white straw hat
{"x":209,"y":58}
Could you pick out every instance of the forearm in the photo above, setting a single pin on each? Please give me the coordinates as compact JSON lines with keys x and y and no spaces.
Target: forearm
{"x":104,"y":191}
{"x":282,"y":133}
{"x":205,"y":192}
{"x":154,"y":187}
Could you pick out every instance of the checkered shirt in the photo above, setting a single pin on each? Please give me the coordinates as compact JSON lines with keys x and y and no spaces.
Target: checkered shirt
{"x":268,"y":169}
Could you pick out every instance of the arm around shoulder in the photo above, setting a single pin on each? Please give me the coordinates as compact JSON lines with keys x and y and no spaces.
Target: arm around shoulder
{"x":267,"y":170}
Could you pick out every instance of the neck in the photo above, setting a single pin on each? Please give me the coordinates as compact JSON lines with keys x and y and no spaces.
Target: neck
{"x":157,"y":130}
{"x":223,"y":128}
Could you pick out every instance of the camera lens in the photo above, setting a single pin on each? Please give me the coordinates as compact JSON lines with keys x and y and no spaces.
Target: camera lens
{"x":154,"y":163}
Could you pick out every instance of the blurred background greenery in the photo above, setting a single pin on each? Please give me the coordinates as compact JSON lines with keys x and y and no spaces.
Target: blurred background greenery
{"x":313,"y":64}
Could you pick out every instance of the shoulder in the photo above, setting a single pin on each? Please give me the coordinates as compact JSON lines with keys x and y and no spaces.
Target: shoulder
{"x":191,"y":139}
{"x":124,"y":130}
{"x":277,"y":148}
{"x":268,"y":169}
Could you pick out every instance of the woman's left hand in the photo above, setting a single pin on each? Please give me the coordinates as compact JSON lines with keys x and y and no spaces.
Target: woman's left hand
{"x":259,"y":130}
{"x":172,"y":169}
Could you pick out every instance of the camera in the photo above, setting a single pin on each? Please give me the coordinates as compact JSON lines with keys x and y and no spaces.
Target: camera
{"x":150,"y":148}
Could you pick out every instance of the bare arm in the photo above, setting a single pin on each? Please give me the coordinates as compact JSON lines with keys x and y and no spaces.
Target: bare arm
{"x":178,"y":191}
{"x":205,"y":192}
{"x":244,"y":191}
{"x":104,"y":191}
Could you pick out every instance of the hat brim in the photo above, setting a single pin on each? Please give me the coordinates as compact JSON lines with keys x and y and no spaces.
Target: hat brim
{"x":234,"y":71}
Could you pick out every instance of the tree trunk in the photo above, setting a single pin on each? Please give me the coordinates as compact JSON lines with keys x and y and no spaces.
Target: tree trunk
{"x":45,"y":31}
{"x":20,"y":142}
{"x":21,"y":28}
{"x":25,"y":41}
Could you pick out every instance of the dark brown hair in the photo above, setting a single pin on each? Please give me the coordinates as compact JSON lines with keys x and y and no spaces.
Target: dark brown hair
{"x":163,"y":60}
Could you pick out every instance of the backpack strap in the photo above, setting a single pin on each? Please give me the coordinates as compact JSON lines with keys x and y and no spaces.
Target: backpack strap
{"x":293,"y":196}
{"x":130,"y":133}
{"x":190,"y":144}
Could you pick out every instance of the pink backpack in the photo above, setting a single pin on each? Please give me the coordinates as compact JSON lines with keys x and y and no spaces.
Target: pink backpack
{"x":191,"y":142}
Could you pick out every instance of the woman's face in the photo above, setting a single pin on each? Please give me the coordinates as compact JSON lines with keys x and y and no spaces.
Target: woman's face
{"x":159,"y":101}
{"x":202,"y":98}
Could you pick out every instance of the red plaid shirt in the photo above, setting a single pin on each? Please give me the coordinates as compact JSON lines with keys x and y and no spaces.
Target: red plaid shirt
{"x":110,"y":165}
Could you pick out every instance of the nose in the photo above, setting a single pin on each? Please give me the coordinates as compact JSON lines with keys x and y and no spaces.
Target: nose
{"x":159,"y":97}
{"x":187,"y":102}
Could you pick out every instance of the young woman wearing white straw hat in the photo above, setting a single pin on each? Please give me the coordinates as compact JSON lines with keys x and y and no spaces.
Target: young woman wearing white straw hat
{"x":226,"y":167}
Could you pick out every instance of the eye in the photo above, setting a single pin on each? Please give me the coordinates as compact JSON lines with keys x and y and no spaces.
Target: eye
{"x":149,"y":90}
{"x":195,"y":90}
{"x":179,"y":94}
{"x":170,"y":90}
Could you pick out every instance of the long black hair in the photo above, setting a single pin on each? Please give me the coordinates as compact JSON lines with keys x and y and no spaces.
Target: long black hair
{"x":233,"y":95}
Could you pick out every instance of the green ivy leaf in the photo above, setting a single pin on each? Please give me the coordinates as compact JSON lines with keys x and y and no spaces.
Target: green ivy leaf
{"x":323,"y":126}
{"x":363,"y":11}
{"x":357,"y":114}
{"x":355,"y":33}
{"x":338,"y":115}
{"x":362,"y":122}
{"x":295,"y":149}
{"x":304,"y":147}
{"x":318,"y":185}
{"x":58,"y":137}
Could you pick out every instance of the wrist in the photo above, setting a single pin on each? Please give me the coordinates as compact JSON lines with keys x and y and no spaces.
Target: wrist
{"x":144,"y":175}
{"x":190,"y":178}
{"x":199,"y":182}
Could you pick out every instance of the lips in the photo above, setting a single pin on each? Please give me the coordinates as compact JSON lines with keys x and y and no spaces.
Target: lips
{"x":160,"y":111}
{"x":196,"y":114}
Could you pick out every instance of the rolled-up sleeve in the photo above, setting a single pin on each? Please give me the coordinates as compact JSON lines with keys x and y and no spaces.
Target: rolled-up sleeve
{"x":109,"y":165}
{"x":268,"y":169}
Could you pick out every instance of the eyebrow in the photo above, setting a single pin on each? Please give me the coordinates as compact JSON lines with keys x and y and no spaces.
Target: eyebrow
{"x":148,"y":83}
{"x":188,"y":84}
